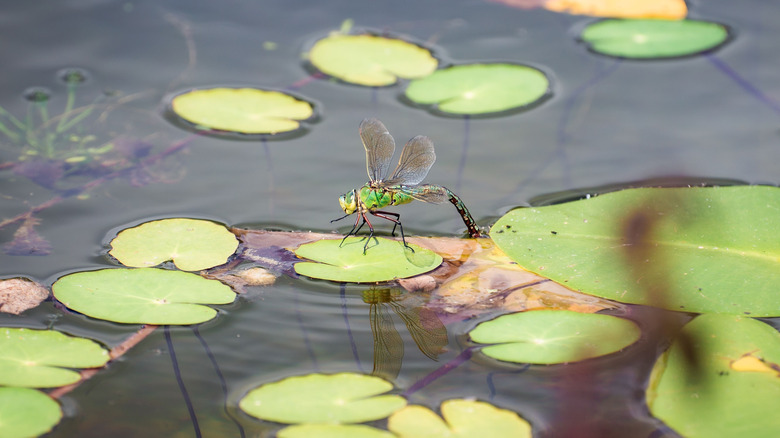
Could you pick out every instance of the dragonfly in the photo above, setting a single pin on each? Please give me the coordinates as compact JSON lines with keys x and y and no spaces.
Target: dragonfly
{"x":401,"y":187}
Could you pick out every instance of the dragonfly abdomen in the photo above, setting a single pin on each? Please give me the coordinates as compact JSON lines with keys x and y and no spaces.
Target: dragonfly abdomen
{"x":471,"y":224}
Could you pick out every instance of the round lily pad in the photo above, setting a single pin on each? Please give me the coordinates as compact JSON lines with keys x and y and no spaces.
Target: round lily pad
{"x":142,"y":296}
{"x":333,"y":431}
{"x":730,"y":388}
{"x":371,"y":60}
{"x":553,"y":336}
{"x":654,"y":39}
{"x":713,"y":249}
{"x":461,"y":419}
{"x":480,"y":89}
{"x":250,"y":111}
{"x":323,"y":398}
{"x":192,"y":244}
{"x":40,"y":358}
{"x":27,"y":412}
{"x":384,"y":260}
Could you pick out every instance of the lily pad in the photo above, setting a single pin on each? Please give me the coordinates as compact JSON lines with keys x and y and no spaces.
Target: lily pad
{"x":553,"y":336}
{"x":250,"y":111}
{"x":323,"y":398}
{"x":384,"y":261}
{"x":732,"y":388}
{"x":192,"y":244}
{"x":333,"y":431}
{"x":39,"y":358}
{"x":708,"y":249}
{"x":371,"y":60}
{"x":654,"y":39}
{"x":480,"y":89}
{"x":27,"y":412}
{"x":461,"y":419}
{"x":142,"y":296}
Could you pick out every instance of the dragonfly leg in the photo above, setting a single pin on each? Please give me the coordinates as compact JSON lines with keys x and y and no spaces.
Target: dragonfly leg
{"x":353,"y":230}
{"x":396,"y":219}
{"x":370,"y":233}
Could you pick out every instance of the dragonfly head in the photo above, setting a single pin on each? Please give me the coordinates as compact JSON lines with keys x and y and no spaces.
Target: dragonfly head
{"x":348,"y":201}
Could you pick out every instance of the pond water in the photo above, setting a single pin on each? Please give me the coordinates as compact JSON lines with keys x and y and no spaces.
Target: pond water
{"x":608,"y":122}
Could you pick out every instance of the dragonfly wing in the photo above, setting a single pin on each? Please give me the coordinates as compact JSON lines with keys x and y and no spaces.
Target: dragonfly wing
{"x":415,"y":162}
{"x":430,"y":193}
{"x":379,"y":145}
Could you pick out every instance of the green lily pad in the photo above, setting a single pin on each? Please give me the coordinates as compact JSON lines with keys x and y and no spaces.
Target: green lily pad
{"x":27,"y":412}
{"x":653,"y":39}
{"x":462,"y":419}
{"x":732,"y":389}
{"x":371,"y":60}
{"x":142,"y":296}
{"x":553,"y":336}
{"x":38,"y":358}
{"x":323,"y":398}
{"x":192,"y":244}
{"x":242,"y":110}
{"x":480,"y":89}
{"x":383,"y":261}
{"x":711,"y":249}
{"x":333,"y":431}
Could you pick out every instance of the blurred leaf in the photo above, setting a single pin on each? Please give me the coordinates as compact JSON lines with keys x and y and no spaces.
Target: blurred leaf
{"x":371,"y":60}
{"x":663,"y":9}
{"x":27,"y":241}
{"x":27,"y":412}
{"x":333,"y":431}
{"x":384,"y":261}
{"x":712,"y":249}
{"x":653,"y":39}
{"x":192,"y":244}
{"x":38,"y":358}
{"x":461,"y":419}
{"x":553,"y":336}
{"x":480,"y":88}
{"x":734,"y":387}
{"x":323,"y":398}
{"x":242,"y":110}
{"x":18,"y":295}
{"x":142,"y":296}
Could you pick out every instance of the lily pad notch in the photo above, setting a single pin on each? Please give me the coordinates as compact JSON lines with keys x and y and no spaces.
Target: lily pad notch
{"x":241,"y":113}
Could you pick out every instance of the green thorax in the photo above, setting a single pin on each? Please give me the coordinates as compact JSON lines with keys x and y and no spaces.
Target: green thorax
{"x":375,"y":198}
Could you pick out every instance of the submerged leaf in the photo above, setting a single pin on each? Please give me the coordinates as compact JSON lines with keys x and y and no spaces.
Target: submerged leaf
{"x":384,"y":261}
{"x":192,"y":244}
{"x":371,"y":60}
{"x":461,"y":419}
{"x":480,"y":89}
{"x":27,"y":412}
{"x":27,"y":241}
{"x":653,"y":39}
{"x":693,"y":249}
{"x":732,"y":387}
{"x":242,"y":110}
{"x":333,"y":431}
{"x":553,"y":336}
{"x":18,"y":295}
{"x":142,"y":296}
{"x":323,"y":398}
{"x":39,"y":358}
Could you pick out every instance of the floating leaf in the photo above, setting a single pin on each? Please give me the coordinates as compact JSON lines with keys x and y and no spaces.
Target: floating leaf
{"x":707,"y":249}
{"x":142,"y":296}
{"x":733,"y":386}
{"x":462,"y":419}
{"x":480,"y":88}
{"x":371,"y":60}
{"x":653,"y":39}
{"x":553,"y":336}
{"x":323,"y":398}
{"x":663,"y":9}
{"x":242,"y":110}
{"x":384,"y":261}
{"x":192,"y":244}
{"x":36,"y":358}
{"x":333,"y":431}
{"x":27,"y":412}
{"x":18,"y":295}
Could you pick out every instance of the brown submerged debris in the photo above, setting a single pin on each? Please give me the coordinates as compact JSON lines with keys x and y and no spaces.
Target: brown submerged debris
{"x":20,"y":294}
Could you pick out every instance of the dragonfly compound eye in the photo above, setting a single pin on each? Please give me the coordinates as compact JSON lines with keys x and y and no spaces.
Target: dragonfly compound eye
{"x":348,"y":202}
